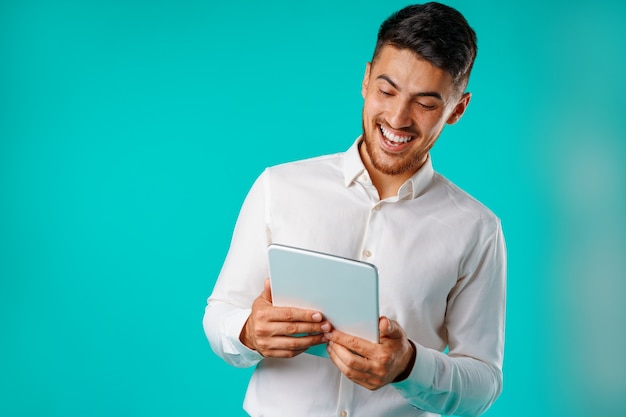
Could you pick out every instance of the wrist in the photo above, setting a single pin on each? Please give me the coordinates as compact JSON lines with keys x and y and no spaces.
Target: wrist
{"x":244,"y":336}
{"x":409,"y":367}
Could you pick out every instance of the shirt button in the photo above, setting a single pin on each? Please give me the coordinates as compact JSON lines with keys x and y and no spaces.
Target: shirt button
{"x":343,"y":413}
{"x":367,"y":253}
{"x":377,"y":207}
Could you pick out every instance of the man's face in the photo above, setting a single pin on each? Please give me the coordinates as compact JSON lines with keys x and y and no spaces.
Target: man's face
{"x":407,"y":103}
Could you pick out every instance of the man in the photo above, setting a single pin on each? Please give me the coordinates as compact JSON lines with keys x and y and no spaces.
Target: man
{"x":440,"y":253}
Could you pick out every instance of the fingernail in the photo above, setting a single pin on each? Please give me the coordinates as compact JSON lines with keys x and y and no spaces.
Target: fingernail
{"x":325,"y":327}
{"x":328,"y":336}
{"x":317,"y":316}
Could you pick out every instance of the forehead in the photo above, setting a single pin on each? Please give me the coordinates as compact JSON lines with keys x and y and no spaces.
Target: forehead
{"x":411,"y":72}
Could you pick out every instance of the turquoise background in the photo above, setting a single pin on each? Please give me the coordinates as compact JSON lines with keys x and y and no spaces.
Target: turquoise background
{"x":130,"y":132}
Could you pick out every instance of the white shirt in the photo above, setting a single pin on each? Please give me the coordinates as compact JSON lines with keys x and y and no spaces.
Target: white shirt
{"x":441,"y":260}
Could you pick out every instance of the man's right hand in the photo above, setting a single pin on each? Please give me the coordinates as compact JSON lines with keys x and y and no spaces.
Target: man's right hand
{"x":270,"y":330}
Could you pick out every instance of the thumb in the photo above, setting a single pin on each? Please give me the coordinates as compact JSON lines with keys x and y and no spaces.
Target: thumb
{"x":267,"y":290}
{"x":389,"y":328}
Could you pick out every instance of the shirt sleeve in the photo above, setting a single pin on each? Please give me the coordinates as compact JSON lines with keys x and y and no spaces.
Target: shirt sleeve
{"x":468,"y":379}
{"x":240,"y":281}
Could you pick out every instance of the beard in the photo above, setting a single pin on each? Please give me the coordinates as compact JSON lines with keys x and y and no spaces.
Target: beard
{"x":400,"y":165}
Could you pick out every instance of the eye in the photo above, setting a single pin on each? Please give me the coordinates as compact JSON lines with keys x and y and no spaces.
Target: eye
{"x":427,"y":106}
{"x":384,"y":93}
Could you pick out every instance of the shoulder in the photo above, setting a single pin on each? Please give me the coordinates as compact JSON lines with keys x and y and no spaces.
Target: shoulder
{"x":463,"y":207}
{"x":316,"y":167}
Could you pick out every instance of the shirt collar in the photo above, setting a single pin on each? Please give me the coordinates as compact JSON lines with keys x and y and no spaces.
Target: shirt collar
{"x":412,"y":188}
{"x":353,"y":166}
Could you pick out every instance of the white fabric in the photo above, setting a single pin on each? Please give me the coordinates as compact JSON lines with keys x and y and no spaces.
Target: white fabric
{"x":441,"y":260}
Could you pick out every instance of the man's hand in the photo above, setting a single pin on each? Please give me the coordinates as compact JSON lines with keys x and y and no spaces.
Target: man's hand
{"x":373,"y":365}
{"x":270,"y":330}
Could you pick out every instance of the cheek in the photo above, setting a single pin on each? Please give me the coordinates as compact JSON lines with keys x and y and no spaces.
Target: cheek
{"x":430,"y":123}
{"x":372,"y":107}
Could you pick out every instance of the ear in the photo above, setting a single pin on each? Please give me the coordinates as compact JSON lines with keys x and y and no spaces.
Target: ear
{"x":366,"y":79}
{"x":459,"y":109}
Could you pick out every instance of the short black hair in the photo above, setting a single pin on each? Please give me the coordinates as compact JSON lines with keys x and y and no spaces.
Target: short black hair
{"x":435,"y":32}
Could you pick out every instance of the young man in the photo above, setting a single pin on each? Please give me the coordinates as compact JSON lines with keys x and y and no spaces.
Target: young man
{"x":440,"y":253}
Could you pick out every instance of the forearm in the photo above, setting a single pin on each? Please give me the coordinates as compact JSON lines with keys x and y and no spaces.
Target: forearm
{"x":240,"y":281}
{"x":447,"y":385}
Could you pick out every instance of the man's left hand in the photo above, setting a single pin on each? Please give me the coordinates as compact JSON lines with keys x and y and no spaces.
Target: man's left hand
{"x":373,"y":365}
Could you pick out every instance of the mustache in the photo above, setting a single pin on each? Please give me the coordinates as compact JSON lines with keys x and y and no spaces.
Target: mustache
{"x":409,"y":130}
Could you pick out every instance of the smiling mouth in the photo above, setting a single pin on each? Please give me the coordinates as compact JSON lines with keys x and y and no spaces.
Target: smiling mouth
{"x":393,"y":139}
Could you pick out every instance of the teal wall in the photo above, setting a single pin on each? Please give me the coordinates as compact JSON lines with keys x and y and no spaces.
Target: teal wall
{"x":131,"y":130}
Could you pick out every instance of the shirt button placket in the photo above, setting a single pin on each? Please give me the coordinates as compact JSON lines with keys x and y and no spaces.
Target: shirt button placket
{"x":368,"y":250}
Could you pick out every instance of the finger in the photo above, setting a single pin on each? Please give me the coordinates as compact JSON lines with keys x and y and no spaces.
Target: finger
{"x":283,"y":353}
{"x":353,"y":367}
{"x":292,"y":314}
{"x":267,"y":290}
{"x":300,"y":328}
{"x":346,"y":360}
{"x":389,"y":328}
{"x":353,"y":344}
{"x":281,"y":345}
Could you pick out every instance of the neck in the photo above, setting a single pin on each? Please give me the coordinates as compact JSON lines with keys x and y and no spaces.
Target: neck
{"x":387,"y":185}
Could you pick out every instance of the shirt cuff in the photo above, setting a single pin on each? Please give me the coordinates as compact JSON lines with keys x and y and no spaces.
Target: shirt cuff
{"x":239,"y":353}
{"x":422,"y":375}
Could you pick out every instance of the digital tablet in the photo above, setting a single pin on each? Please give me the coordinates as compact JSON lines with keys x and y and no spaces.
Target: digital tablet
{"x":344,"y":290}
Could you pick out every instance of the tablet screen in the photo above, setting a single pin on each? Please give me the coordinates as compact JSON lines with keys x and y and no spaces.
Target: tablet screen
{"x":344,"y":290}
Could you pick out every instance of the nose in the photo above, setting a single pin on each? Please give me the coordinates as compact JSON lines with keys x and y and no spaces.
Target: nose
{"x":399,"y":115}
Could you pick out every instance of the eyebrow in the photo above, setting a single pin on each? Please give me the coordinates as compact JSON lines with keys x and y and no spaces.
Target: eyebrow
{"x":423,"y":94}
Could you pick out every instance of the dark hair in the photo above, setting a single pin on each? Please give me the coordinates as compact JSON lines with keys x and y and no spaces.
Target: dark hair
{"x":437,"y":33}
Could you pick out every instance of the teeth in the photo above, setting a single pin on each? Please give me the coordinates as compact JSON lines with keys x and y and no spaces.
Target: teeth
{"x":395,"y":138}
